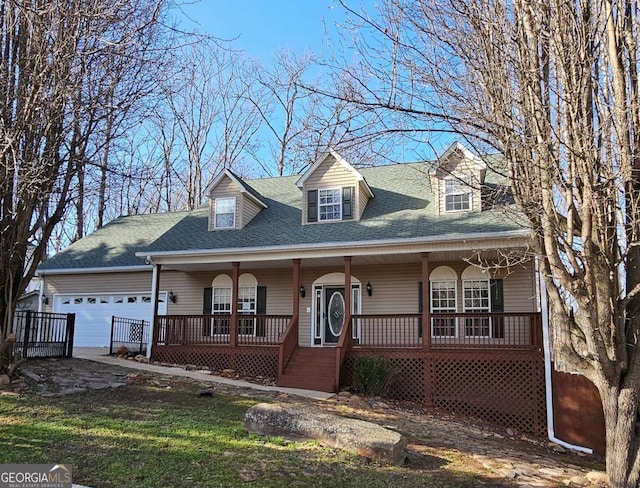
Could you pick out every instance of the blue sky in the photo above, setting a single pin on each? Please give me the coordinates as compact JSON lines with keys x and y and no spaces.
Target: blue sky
{"x":265,"y":26}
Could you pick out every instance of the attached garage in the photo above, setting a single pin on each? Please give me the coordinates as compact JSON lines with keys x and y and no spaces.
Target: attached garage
{"x":94,"y":311}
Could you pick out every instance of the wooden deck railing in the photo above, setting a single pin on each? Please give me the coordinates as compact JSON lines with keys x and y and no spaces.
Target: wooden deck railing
{"x":450,"y":330}
{"x":345,"y":342}
{"x":258,"y":330}
{"x":287,"y":344}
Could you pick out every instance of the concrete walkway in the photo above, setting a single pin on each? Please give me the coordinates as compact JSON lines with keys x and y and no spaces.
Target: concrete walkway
{"x":101,"y":355}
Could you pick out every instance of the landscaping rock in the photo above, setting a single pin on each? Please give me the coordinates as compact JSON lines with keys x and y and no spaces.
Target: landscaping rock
{"x":141,"y":359}
{"x":367,"y":439}
{"x":204,"y":392}
{"x":4,"y":379}
{"x":597,"y":477}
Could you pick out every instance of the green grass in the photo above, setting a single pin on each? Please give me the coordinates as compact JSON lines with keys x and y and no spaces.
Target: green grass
{"x":143,"y":436}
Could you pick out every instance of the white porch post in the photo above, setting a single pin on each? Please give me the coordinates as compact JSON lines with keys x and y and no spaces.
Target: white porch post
{"x":155,"y":295}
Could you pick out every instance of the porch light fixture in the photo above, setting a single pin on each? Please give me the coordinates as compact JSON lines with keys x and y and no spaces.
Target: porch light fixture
{"x":172,"y":296}
{"x":302,"y":291}
{"x":45,"y":300}
{"x":369,"y":289}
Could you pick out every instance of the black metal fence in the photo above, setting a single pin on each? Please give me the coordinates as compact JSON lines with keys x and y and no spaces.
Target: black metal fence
{"x":130,"y":333}
{"x":43,"y":334}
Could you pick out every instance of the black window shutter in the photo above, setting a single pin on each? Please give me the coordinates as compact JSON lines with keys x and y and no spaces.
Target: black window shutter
{"x":207,"y":302}
{"x":261,"y":309}
{"x":206,"y":310}
{"x":312,"y":206}
{"x":497,"y":295}
{"x":497,"y":306}
{"x":347,"y":202}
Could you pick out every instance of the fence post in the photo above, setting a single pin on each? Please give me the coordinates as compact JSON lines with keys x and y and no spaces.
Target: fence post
{"x":141,"y":335}
{"x":111,"y":336}
{"x":27,"y":331}
{"x":71,"y":326}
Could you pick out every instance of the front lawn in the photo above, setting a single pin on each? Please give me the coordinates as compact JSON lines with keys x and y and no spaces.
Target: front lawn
{"x":145,"y":436}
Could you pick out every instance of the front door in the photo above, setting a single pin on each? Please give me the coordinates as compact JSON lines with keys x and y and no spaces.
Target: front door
{"x":334,"y":313}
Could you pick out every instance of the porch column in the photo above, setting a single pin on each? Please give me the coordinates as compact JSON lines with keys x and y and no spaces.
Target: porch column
{"x":426,"y":319}
{"x":347,"y":286}
{"x":233,"y":329}
{"x":155,"y":295}
{"x":296,"y":288}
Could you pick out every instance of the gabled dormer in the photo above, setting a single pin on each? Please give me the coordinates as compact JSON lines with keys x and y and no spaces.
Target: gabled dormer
{"x":232,"y":202}
{"x":456,"y":180}
{"x":333,"y":190}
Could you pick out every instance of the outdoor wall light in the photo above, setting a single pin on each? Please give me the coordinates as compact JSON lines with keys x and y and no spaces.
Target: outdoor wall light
{"x":172,"y":296}
{"x":302,"y":291}
{"x":369,"y":289}
{"x":45,"y":299}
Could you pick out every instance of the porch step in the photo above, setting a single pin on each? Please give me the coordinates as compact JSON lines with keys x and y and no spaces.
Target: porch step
{"x":311,"y":368}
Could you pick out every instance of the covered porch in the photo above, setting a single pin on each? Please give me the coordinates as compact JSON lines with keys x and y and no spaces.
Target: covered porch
{"x":331,"y":305}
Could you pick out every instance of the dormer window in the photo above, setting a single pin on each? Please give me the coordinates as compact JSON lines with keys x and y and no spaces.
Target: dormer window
{"x":225,"y":213}
{"x":457,"y":194}
{"x":329,"y":204}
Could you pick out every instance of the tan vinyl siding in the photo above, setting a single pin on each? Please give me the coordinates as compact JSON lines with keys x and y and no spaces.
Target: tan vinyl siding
{"x":363,"y":199}
{"x":520,"y":290}
{"x":95,"y":283}
{"x":226,"y":188}
{"x":249,"y":209}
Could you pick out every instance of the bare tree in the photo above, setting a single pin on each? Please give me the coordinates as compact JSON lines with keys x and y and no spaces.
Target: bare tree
{"x":554,"y":86}
{"x":51,"y":114}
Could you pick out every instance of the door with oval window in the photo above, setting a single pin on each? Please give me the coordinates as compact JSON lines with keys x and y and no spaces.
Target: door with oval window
{"x":334,"y":314}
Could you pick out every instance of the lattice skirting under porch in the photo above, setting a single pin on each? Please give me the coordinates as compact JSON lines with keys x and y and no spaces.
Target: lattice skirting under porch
{"x":506,"y":388}
{"x":246,"y":360}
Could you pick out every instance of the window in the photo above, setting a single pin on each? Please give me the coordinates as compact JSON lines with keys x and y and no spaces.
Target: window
{"x":91,"y":300}
{"x":132,"y":299}
{"x":225,"y":213}
{"x":220,"y":304}
{"x":329,"y":204}
{"x":247,"y":306}
{"x":476,"y":299}
{"x":457,"y":194}
{"x":443,"y":300}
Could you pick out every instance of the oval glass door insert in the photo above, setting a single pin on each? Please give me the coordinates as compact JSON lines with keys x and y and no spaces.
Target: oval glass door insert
{"x":336,"y":313}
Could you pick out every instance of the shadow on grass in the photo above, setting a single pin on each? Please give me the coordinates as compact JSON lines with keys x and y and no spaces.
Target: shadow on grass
{"x":153,"y":437}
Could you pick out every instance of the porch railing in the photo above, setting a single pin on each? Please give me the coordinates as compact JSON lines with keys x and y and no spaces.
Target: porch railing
{"x":287,"y":344}
{"x":208,"y":330}
{"x":449,"y":330}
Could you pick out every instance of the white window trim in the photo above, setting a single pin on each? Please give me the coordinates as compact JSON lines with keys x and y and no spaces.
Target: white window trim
{"x":252,"y":311}
{"x":473,"y":309}
{"x":320,"y":205}
{"x":465,"y":181}
{"x":440,"y":310}
{"x":215,"y":213}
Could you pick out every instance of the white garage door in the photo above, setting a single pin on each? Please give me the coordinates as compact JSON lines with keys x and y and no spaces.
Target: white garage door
{"x":94,"y":310}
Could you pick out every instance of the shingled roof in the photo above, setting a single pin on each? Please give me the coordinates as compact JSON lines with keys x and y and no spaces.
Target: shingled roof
{"x":403,"y":208}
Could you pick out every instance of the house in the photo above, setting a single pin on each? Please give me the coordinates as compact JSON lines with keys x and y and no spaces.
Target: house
{"x":295,"y":277}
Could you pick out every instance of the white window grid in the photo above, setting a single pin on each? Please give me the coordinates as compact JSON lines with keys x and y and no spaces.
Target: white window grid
{"x":476,"y":298}
{"x":330,"y":204}
{"x":443,"y":300}
{"x":225,"y":213}
{"x":457,"y":194}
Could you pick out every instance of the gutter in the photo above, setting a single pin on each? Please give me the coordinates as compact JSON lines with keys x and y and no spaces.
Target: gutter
{"x":547,"y":371}
{"x":105,"y":269}
{"x":518,"y":234}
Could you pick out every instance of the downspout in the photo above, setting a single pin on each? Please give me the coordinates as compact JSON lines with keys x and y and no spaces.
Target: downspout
{"x":40,"y":292}
{"x":154,"y":296}
{"x":544,"y":309}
